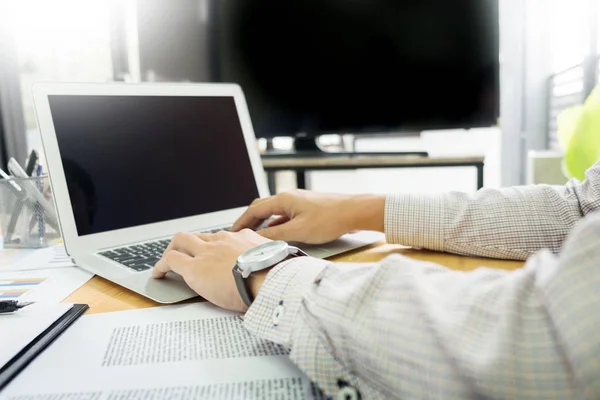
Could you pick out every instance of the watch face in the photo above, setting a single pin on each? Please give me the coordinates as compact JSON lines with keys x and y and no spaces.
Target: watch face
{"x":263,"y":253}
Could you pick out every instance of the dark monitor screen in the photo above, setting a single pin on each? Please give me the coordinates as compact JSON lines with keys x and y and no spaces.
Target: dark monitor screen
{"x":338,"y":66}
{"x":135,"y":160}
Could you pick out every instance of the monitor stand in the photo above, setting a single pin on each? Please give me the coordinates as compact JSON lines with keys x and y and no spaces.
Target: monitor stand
{"x":307,"y":147}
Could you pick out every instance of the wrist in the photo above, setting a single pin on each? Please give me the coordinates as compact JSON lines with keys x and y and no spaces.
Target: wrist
{"x":255,"y":281}
{"x":366,"y":212}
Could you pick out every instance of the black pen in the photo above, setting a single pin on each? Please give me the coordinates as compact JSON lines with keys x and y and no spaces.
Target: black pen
{"x":32,"y":163}
{"x":11,"y":306}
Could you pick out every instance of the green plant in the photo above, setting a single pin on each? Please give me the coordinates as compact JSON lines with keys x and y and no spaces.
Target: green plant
{"x":579,"y":135}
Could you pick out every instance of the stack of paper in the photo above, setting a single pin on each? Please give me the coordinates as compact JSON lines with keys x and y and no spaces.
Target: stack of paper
{"x":49,"y":257}
{"x":194,"y":351}
{"x":45,"y":275}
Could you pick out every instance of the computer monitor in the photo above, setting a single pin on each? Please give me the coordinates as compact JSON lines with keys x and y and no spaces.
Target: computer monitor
{"x":310,"y":67}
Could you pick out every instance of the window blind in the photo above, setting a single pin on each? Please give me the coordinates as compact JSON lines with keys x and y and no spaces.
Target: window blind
{"x":565,"y":89}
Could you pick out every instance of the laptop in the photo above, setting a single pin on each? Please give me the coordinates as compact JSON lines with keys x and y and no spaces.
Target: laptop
{"x":130,"y":165}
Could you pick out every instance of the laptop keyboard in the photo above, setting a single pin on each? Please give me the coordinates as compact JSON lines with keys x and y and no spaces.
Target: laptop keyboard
{"x":143,"y":256}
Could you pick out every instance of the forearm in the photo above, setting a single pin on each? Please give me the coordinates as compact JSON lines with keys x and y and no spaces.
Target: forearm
{"x":508,"y":223}
{"x":512,"y":223}
{"x":405,"y":329}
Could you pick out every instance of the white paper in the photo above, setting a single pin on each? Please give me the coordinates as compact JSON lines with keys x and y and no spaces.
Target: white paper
{"x":48,"y":285}
{"x":22,"y":327}
{"x":192,"y":351}
{"x":9,"y":258}
{"x":46,"y":258}
{"x":60,"y":258}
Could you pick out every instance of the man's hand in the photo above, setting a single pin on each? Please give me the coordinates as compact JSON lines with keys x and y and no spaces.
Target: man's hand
{"x":315,"y":218}
{"x":206,"y":262}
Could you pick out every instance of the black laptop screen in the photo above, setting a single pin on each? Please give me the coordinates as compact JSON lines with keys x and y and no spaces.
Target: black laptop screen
{"x":136,"y":160}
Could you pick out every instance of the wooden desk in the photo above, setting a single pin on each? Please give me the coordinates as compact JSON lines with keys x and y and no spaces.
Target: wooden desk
{"x":104,"y":296}
{"x":302,"y":164}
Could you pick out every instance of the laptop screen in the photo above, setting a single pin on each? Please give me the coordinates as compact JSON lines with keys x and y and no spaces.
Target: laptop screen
{"x":135,"y":160}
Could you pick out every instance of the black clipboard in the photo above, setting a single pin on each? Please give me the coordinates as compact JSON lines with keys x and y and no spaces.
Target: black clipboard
{"x":9,"y":371}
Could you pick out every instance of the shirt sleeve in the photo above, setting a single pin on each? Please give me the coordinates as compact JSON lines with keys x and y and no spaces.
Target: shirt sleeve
{"x":409,"y":329}
{"x":509,"y":223}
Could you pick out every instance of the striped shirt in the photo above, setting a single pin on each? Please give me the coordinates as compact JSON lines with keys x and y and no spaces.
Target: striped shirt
{"x":409,"y":329}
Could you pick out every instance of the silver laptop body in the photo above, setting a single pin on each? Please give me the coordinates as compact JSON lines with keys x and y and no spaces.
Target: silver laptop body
{"x":132,"y":164}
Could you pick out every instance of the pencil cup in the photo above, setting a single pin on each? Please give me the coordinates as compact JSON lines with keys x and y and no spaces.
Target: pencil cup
{"x":27,"y":213}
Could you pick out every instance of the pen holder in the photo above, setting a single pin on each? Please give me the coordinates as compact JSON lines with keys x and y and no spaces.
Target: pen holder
{"x":24,"y":221}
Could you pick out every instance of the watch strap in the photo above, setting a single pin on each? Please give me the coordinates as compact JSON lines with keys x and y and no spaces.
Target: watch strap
{"x":242,"y":286}
{"x":297,"y":252}
{"x":242,"y":283}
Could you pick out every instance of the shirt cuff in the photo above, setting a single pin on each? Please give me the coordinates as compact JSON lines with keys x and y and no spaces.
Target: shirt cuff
{"x":415,"y":220}
{"x":274,"y":312}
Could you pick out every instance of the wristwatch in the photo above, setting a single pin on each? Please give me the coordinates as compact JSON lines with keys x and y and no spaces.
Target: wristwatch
{"x":258,"y":258}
